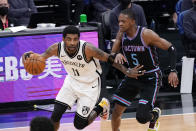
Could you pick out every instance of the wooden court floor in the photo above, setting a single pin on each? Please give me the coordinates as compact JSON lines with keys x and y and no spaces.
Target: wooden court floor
{"x":180,"y":122}
{"x":186,"y":122}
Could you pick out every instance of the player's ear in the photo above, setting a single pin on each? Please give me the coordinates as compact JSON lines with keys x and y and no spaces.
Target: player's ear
{"x":132,"y":21}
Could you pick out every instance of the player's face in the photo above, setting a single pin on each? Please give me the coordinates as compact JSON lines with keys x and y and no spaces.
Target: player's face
{"x":125,"y":22}
{"x":71,"y":42}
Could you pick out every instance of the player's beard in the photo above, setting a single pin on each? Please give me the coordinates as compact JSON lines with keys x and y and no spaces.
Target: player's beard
{"x":71,"y":49}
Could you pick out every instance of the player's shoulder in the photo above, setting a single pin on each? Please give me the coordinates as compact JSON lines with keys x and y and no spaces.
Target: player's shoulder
{"x":55,"y":45}
{"x":82,"y":41}
{"x":89,"y":49}
{"x":148,"y":35}
{"x":147,"y":32}
{"x":88,"y":45}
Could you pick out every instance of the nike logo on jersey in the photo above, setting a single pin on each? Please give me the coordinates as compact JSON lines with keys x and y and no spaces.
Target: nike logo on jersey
{"x":63,"y":55}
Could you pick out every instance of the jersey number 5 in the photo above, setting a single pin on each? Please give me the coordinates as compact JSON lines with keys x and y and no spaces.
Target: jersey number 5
{"x":134,"y":59}
{"x":75,"y":71}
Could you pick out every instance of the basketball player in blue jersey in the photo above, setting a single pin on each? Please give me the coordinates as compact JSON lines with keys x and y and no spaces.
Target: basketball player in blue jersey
{"x":138,"y":47}
{"x":82,"y":84}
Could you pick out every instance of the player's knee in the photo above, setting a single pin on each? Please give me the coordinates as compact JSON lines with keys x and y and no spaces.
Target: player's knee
{"x":59,"y":109}
{"x":141,"y":119}
{"x":143,"y":113}
{"x":80,"y":122}
{"x":116,"y":113}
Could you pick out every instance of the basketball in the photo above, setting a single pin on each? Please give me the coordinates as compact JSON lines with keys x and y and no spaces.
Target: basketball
{"x":34,"y":64}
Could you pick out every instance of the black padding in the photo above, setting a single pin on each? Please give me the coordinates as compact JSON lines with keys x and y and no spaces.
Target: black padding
{"x":59,"y":110}
{"x":143,"y":114}
{"x":80,"y":122}
{"x":172,"y":57}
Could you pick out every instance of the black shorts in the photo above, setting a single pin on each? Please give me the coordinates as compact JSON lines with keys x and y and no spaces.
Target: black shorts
{"x":147,"y":86}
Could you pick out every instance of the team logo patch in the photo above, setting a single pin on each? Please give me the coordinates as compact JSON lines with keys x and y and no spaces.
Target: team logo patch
{"x":85,"y":110}
{"x":79,"y":57}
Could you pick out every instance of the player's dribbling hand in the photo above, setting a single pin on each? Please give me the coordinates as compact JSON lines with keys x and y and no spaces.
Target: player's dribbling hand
{"x":26,"y":55}
{"x":120,"y":59}
{"x":173,"y":79}
{"x":135,"y":72}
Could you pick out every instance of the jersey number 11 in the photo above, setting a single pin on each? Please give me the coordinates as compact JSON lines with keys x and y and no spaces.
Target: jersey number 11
{"x":75,"y":71}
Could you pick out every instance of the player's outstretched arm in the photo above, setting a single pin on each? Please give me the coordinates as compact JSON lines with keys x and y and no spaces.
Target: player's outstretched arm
{"x":153,"y":39}
{"x":51,"y":51}
{"x":92,"y":51}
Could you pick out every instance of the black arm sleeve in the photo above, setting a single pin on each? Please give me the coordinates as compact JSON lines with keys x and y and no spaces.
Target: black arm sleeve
{"x":172,"y":57}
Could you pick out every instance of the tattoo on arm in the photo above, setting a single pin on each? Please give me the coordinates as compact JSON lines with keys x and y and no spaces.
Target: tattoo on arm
{"x":48,"y":51}
{"x":97,"y":53}
{"x":52,"y":50}
{"x":120,"y":67}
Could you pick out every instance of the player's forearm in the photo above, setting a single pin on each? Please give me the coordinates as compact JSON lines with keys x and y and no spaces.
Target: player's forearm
{"x":117,"y":44}
{"x":116,"y":47}
{"x":120,"y":67}
{"x":115,"y":50}
{"x":45,"y":55}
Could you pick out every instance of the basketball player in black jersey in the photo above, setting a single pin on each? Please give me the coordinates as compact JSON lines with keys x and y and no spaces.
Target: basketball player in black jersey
{"x":82,"y":83}
{"x":138,"y":47}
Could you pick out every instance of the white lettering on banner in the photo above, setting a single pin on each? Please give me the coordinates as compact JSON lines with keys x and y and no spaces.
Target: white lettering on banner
{"x":51,"y":67}
{"x":11,"y":73}
{"x":11,"y":69}
{"x":23,"y":74}
{"x":1,"y":69}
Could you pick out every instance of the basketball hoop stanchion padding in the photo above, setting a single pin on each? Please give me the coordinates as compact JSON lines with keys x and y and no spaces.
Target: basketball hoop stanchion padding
{"x":187,"y":75}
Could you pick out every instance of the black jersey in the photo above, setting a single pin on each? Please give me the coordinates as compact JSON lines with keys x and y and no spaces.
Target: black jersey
{"x":137,"y":52}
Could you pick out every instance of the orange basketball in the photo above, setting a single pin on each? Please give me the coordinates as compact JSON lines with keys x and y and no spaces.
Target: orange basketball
{"x":34,"y":64}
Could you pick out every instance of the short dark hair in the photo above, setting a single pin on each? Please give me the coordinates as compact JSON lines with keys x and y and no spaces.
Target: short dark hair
{"x":41,"y":123}
{"x":129,"y":12}
{"x":71,"y":30}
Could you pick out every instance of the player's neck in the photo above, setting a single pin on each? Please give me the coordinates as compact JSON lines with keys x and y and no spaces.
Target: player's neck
{"x":70,"y":53}
{"x":132,"y":31}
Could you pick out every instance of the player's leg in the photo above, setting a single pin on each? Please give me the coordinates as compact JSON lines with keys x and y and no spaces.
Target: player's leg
{"x":86,"y":110}
{"x":59,"y":109}
{"x":80,"y":122}
{"x":143,"y":114}
{"x":156,"y":112}
{"x":116,"y":116}
{"x":122,"y":98}
{"x":154,"y":123}
{"x":64,"y":100}
{"x":146,"y":111}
